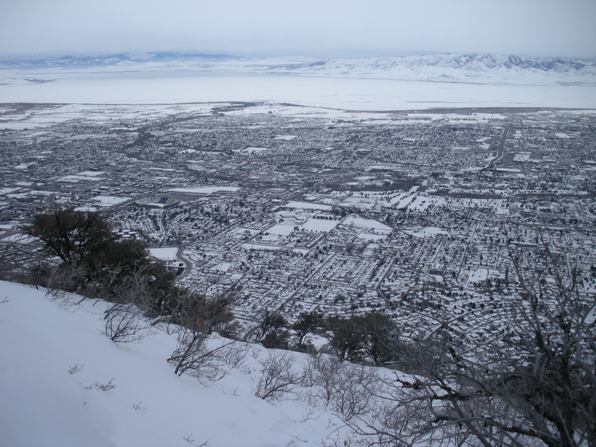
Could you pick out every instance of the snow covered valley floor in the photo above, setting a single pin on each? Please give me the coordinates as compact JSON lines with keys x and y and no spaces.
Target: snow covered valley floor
{"x":64,"y":383}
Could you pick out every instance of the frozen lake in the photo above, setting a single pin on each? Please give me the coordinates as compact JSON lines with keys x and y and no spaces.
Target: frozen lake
{"x":335,"y":92}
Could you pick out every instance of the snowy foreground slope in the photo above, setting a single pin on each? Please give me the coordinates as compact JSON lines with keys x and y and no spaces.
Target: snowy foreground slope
{"x":55,"y":360}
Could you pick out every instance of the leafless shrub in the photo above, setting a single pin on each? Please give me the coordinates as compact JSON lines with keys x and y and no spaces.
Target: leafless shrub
{"x":59,"y":280}
{"x":351,"y":392}
{"x":532,"y":388}
{"x":344,"y":387}
{"x":193,"y":355}
{"x":277,"y":377}
{"x":190,"y":351}
{"x":323,"y":374}
{"x":233,"y":354}
{"x":123,"y":323}
{"x":17,"y":262}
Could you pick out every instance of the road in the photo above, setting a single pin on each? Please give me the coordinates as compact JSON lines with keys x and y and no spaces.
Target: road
{"x":187,"y":263}
{"x":500,"y":147}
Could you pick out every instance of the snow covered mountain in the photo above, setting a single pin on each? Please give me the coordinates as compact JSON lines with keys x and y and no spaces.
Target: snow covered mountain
{"x":472,"y":67}
{"x":106,"y":60}
{"x":455,"y":67}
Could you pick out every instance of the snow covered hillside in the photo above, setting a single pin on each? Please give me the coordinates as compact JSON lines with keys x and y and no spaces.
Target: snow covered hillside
{"x":476,"y":68}
{"x":64,"y":383}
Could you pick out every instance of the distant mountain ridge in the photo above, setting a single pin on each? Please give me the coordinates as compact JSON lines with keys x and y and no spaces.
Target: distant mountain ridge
{"x":469,"y":67}
{"x":455,"y":67}
{"x":470,"y":61}
{"x":67,"y":61}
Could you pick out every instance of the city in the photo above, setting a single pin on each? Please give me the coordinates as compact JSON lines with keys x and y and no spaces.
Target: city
{"x":419,"y":215}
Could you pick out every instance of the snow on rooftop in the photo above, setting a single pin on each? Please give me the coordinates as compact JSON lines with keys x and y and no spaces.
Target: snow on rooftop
{"x":91,"y":173}
{"x":107,"y":201}
{"x":319,"y":225}
{"x":367,"y":224}
{"x":251,"y":150}
{"x":426,"y":232}
{"x":308,"y":206}
{"x":18,"y":238}
{"x":205,"y":189}
{"x":164,"y":253}
{"x":78,"y":178}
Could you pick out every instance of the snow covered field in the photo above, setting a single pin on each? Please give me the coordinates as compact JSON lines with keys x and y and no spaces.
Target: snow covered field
{"x":391,"y":83}
{"x":66,"y":384}
{"x":205,"y":189}
{"x":324,"y":91}
{"x":164,"y":253}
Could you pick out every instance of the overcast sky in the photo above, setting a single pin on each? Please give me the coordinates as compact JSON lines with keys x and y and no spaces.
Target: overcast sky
{"x":299,"y":27}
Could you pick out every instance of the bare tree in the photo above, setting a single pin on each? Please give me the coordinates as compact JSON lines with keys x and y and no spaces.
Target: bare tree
{"x":196,"y":318}
{"x":353,"y":391}
{"x":123,"y":322}
{"x":535,"y":387}
{"x":277,"y":376}
{"x":190,"y":352}
{"x":124,"y":319}
{"x":323,"y":373}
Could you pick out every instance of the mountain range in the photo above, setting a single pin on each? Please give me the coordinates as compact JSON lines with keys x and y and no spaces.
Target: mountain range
{"x":469,"y":67}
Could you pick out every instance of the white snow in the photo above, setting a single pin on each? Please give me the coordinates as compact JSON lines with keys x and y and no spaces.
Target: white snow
{"x":18,"y":238}
{"x":23,"y":166}
{"x":107,"y":201}
{"x":78,"y":178}
{"x":164,"y":253}
{"x":266,"y":247}
{"x":278,"y":230}
{"x":352,"y":93}
{"x":91,"y":173}
{"x":54,"y":358}
{"x":322,"y":225}
{"x":426,"y":232}
{"x":205,"y":189}
{"x":369,"y":224}
{"x":482,"y":274}
{"x":308,"y":206}
{"x":561,"y":135}
{"x":522,"y":156}
{"x":8,"y":190}
{"x":86,"y":209}
{"x":251,"y":150}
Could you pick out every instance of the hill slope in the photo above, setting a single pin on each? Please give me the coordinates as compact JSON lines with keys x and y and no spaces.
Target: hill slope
{"x":55,"y":360}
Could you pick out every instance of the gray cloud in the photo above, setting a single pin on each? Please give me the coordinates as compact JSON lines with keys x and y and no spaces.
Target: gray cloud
{"x":309,"y":27}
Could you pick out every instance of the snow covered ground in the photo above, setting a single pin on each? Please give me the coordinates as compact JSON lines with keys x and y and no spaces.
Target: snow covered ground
{"x":64,"y":383}
{"x":426,"y":232}
{"x":205,"y":189}
{"x":164,"y":253}
{"x":308,"y":206}
{"x":393,"y":83}
{"x":108,"y":201}
{"x":324,"y":91}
